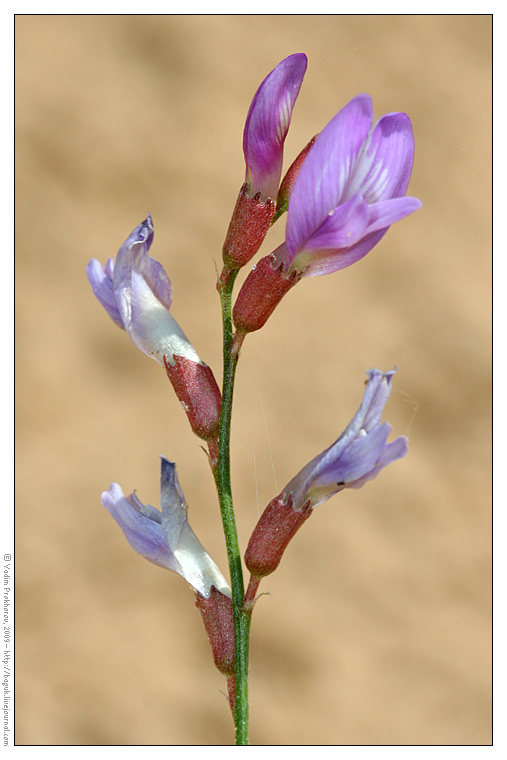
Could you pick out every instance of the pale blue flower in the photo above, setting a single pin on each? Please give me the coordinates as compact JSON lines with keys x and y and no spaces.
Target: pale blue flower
{"x":165,"y":538}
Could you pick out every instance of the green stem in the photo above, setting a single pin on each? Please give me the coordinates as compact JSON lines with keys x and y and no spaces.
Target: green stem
{"x":222,"y":475}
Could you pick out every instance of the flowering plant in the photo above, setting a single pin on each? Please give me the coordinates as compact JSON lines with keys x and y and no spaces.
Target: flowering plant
{"x":341,"y":194}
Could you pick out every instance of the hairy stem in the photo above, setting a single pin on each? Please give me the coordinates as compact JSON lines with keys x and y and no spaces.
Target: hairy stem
{"x":222,"y":474}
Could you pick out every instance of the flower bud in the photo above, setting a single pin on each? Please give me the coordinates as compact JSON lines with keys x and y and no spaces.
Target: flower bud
{"x":267,"y":124}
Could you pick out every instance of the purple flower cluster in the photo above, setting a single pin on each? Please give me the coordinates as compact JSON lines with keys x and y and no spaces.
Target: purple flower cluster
{"x":345,"y":191}
{"x":341,"y":194}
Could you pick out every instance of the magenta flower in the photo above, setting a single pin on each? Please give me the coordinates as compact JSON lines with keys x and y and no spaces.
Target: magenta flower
{"x":349,"y":190}
{"x":166,"y":538}
{"x":267,"y":124}
{"x":356,"y":457}
{"x":136,"y":293}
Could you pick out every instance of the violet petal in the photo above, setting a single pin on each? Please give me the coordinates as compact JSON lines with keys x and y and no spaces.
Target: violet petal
{"x":358,"y":454}
{"x":384,"y":167}
{"x":101,"y":280}
{"x":332,"y":260}
{"x":326,"y":171}
{"x":166,"y":538}
{"x":343,"y":226}
{"x":385,"y":213}
{"x":144,"y":534}
{"x":197,"y":567}
{"x":267,"y":124}
{"x":143,"y":294}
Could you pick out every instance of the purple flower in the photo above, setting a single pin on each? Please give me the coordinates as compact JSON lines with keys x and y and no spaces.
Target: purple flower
{"x":136,"y":293}
{"x":166,"y":538}
{"x":267,"y":124}
{"x":349,"y":190}
{"x":357,"y":456}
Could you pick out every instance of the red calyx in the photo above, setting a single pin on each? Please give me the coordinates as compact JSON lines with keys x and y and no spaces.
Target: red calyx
{"x":200,"y":396}
{"x":248,"y":227}
{"x":261,"y":292}
{"x":277,"y":525}
{"x":216,"y":614}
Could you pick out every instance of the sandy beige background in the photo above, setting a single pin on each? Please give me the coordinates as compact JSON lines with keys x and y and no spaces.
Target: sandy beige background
{"x":377,"y":627}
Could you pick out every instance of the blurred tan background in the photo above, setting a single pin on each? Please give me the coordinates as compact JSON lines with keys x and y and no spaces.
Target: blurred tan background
{"x":376,"y":629}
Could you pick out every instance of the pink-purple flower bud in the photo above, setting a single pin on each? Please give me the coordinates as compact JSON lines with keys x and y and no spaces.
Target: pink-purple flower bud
{"x":266,"y":128}
{"x":267,"y":124}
